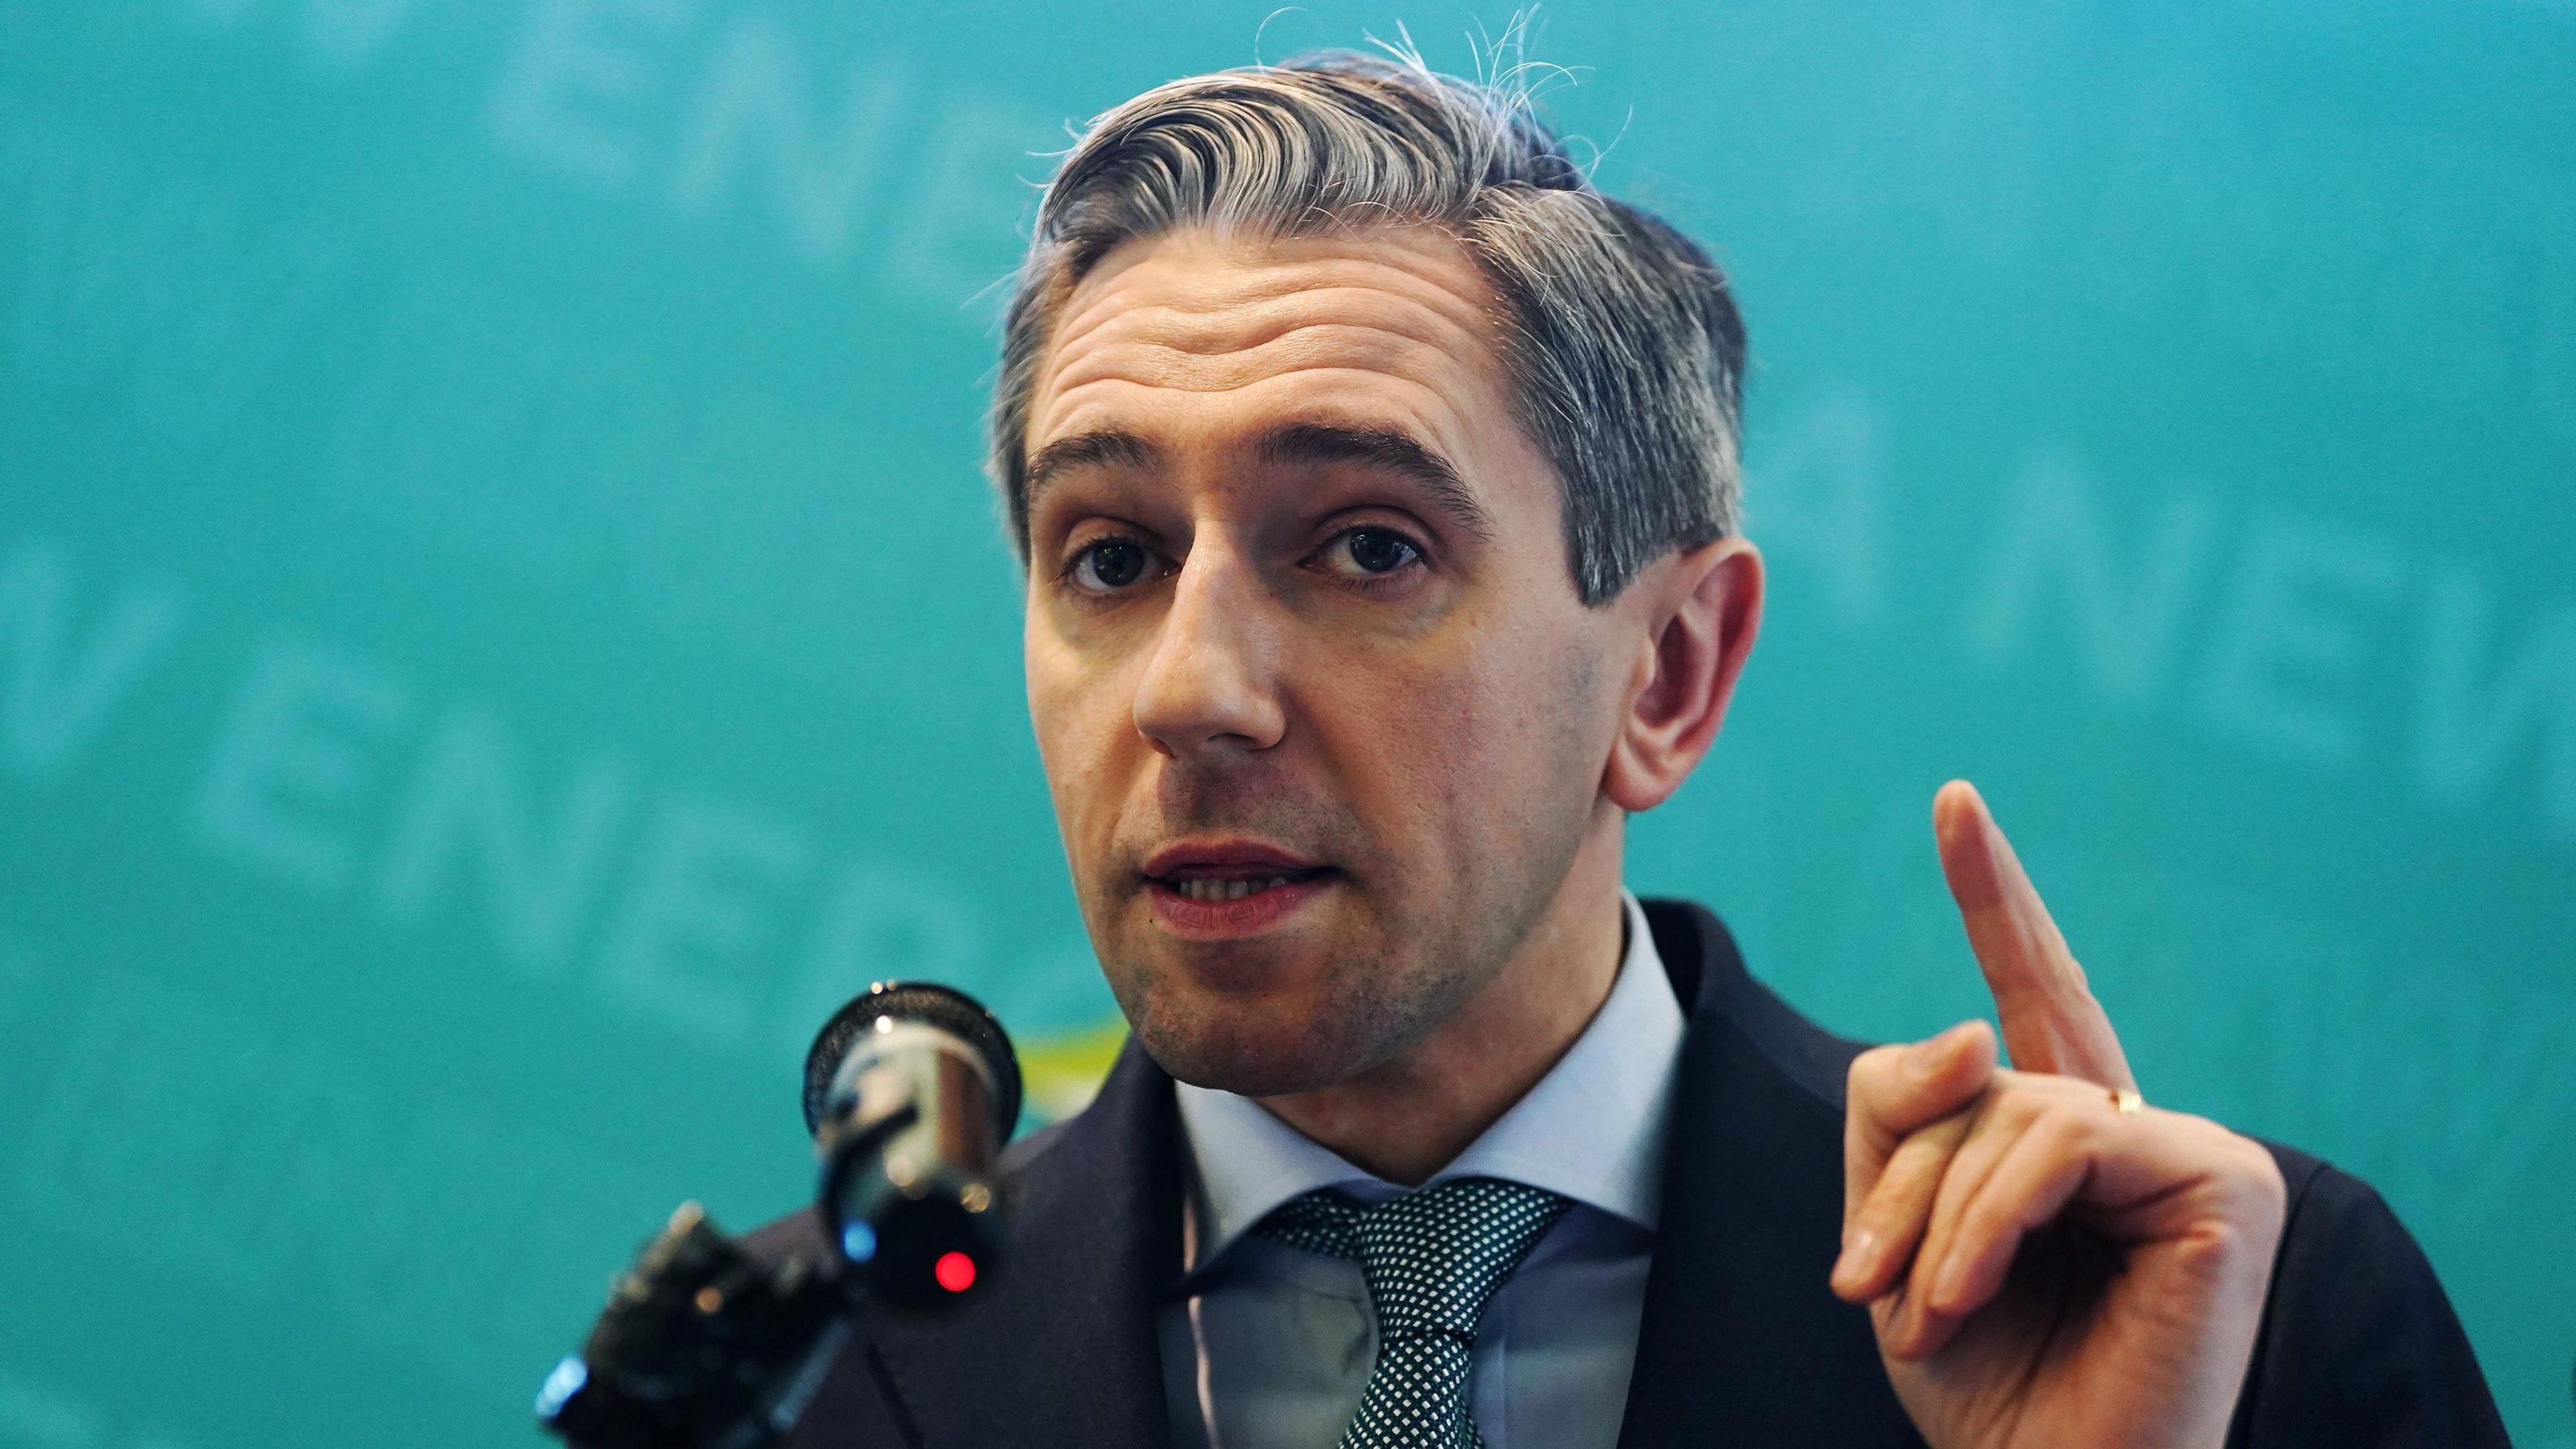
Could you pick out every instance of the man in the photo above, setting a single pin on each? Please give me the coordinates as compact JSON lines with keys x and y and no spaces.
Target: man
{"x":1376,"y":479}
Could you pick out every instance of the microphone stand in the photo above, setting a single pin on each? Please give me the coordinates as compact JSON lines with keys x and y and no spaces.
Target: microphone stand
{"x":910,"y":1090}
{"x":701,"y":1346}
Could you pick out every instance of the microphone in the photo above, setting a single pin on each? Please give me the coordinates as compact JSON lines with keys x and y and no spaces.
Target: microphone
{"x":910,"y":1091}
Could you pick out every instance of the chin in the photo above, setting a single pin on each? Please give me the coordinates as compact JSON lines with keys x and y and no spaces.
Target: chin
{"x":1250,"y":1051}
{"x":1274,"y":1017}
{"x":1252,"y":1059}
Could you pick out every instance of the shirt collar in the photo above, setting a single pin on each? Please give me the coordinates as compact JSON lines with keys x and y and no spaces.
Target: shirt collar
{"x":1591,"y":1130}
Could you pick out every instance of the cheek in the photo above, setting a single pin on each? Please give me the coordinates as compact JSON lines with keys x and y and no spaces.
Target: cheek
{"x":1082,"y":711}
{"x":1064,"y":713}
{"x":1469,"y":753}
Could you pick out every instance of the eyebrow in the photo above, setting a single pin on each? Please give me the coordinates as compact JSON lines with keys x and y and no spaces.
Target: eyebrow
{"x":1101,"y":448}
{"x":1389,"y":451}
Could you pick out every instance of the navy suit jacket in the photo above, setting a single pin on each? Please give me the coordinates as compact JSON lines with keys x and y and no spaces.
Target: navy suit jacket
{"x":1741,"y":1342}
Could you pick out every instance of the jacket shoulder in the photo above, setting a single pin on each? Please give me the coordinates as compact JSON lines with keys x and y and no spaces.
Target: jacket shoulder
{"x":1718,"y":993}
{"x":2360,"y":1346}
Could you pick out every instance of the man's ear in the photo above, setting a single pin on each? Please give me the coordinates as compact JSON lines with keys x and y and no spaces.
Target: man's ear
{"x":1702,"y":609}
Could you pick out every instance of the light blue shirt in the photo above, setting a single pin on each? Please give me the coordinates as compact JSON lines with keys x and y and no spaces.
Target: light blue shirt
{"x":1269,"y":1347}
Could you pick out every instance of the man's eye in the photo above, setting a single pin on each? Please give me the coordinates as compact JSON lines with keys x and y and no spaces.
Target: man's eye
{"x":1369,"y":552}
{"x":1110,"y":564}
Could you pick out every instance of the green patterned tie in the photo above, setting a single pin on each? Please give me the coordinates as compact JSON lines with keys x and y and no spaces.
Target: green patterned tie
{"x":1432,"y":1258}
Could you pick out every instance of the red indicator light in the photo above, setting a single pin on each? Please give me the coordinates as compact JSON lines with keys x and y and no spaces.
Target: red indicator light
{"x":955,"y":1272}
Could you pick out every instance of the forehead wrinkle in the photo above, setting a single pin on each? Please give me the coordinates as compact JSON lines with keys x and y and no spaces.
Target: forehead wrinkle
{"x":1399,"y":337}
{"x":1298,"y":349}
{"x":1240,"y":288}
{"x":1091,"y":382}
{"x":1132,"y":352}
{"x":1233,"y":328}
{"x":1254,"y":283}
{"x":1426,"y":410}
{"x":1240,"y":330}
{"x":1192,"y":285}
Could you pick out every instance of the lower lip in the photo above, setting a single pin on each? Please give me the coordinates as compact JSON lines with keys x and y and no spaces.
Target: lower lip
{"x":1226,"y":920}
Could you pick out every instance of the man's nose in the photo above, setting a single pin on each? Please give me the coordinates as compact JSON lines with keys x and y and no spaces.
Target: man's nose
{"x":1210,"y":684}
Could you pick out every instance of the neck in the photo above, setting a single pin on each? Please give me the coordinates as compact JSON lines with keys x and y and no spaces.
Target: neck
{"x":1412,"y":1116}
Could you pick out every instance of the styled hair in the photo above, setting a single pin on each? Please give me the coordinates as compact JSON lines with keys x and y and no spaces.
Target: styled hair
{"x":1625,"y":349}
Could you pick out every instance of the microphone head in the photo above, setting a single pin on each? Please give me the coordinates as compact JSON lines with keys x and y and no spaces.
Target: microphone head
{"x":930,"y":1004}
{"x":910,"y":1092}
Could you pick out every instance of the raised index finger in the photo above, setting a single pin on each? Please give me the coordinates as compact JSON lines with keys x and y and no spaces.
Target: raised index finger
{"x":2051,"y":1021}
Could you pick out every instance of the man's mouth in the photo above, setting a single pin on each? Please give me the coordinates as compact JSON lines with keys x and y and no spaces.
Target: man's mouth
{"x":1209,"y":889}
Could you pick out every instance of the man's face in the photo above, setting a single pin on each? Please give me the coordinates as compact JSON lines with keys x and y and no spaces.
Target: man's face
{"x":1323,"y":717}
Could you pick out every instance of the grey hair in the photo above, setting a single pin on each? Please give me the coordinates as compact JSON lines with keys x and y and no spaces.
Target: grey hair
{"x":1621,"y":337}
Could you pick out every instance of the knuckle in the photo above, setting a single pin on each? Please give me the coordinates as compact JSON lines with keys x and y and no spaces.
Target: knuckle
{"x":2262,"y":1172}
{"x":1913,"y":1168}
{"x":1884,"y":1217}
{"x":1870,"y":1069}
{"x":1984,"y":1220}
{"x":2066,"y":1128}
{"x":2020,"y":1099}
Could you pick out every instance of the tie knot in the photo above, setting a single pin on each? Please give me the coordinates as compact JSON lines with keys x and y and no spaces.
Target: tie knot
{"x":1432,"y":1257}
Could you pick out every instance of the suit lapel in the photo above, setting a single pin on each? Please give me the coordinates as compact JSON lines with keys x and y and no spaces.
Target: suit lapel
{"x":1741,"y":1342}
{"x":1064,"y":1351}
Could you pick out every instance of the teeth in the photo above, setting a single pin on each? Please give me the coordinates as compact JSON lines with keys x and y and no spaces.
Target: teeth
{"x":1210,"y":889}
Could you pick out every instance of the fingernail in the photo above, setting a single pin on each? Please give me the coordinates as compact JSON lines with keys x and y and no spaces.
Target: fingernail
{"x":1950,"y":1283}
{"x":1859,"y":1251}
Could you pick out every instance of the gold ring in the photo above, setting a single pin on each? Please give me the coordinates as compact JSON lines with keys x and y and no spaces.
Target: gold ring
{"x":2127,"y":1102}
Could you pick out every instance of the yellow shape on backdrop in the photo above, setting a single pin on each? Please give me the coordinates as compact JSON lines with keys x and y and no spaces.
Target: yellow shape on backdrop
{"x":1062,"y":1072}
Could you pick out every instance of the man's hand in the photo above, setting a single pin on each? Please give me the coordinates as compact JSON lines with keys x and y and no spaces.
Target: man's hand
{"x":2046,"y":1270}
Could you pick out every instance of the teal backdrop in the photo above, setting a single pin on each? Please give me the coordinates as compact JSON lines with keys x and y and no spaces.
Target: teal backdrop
{"x":501,"y":627}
